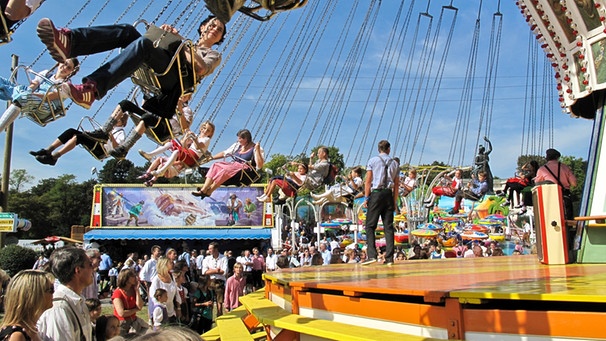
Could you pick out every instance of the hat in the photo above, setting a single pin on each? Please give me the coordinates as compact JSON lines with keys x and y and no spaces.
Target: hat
{"x":552,"y":154}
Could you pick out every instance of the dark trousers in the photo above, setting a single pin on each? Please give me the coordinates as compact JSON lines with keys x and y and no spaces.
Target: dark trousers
{"x":380,"y":204}
{"x":136,"y":50}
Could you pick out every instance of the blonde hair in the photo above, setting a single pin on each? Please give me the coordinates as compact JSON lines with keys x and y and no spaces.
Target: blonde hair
{"x":24,"y":299}
{"x":162,"y":267}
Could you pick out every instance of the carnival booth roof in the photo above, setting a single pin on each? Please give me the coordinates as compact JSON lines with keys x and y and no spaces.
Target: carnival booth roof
{"x":134,"y":234}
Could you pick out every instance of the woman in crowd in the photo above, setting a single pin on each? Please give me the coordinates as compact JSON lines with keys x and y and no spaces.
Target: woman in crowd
{"x":28,"y":295}
{"x":127,"y":303}
{"x":164,"y":280}
{"x":247,"y":154}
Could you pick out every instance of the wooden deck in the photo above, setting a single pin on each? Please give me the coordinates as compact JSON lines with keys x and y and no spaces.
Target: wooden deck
{"x":511,"y":297}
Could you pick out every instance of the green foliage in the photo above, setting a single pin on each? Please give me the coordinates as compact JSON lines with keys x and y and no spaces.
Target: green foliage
{"x":18,"y":178}
{"x":14,"y":258}
{"x":119,"y":172}
{"x":53,"y":206}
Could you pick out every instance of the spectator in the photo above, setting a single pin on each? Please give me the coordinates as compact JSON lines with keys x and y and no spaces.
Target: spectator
{"x":164,"y":280}
{"x":113,"y":277}
{"x":234,"y":288}
{"x":149,"y":268}
{"x":94,"y":310}
{"x":325,"y":254}
{"x":246,"y":260}
{"x":182,"y":292}
{"x":215,"y":266}
{"x":271,"y":260}
{"x":257,"y":269}
{"x":68,"y":319}
{"x":202,"y":301}
{"x":159,"y":309}
{"x":107,"y":328}
{"x":92,"y":291}
{"x":128,"y":302}
{"x":28,"y":295}
{"x":105,"y":265}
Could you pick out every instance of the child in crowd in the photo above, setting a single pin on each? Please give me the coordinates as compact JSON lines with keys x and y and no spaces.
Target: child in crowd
{"x":234,"y":287}
{"x":94,"y":310}
{"x":108,"y":327}
{"x":185,"y":153}
{"x":202,"y":303}
{"x":113,"y":277}
{"x":159,"y":315}
{"x":179,"y":278}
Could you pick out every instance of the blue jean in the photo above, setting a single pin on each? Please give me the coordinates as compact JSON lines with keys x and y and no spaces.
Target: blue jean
{"x":10,"y":91}
{"x":136,"y":51}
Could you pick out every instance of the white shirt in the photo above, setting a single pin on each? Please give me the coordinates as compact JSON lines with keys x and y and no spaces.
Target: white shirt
{"x":271,"y":262}
{"x":211,"y":262}
{"x":200,"y":261}
{"x":244,"y":260}
{"x":171,"y":290}
{"x":61,"y":321}
{"x":149,"y":270}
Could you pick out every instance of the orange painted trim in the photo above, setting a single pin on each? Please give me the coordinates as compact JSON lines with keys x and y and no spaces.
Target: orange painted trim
{"x":401,"y":312}
{"x":455,"y":324}
{"x":548,"y":323}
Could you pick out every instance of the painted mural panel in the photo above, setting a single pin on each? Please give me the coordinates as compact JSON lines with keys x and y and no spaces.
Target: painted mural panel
{"x":162,"y":207}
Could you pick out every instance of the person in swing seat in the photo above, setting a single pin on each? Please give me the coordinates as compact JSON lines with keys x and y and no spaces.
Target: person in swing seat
{"x":99,"y":142}
{"x":136,"y":50}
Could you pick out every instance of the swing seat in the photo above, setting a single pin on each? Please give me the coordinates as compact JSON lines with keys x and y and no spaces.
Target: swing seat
{"x":5,"y":31}
{"x":38,"y":108}
{"x":149,"y":80}
{"x":273,"y":6}
{"x":161,"y":133}
{"x":97,"y":147}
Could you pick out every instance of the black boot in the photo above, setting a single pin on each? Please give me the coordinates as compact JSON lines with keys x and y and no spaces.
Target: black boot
{"x":40,"y":152}
{"x":121,"y":151}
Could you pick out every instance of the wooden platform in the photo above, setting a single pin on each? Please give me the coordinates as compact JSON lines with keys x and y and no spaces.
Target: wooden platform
{"x":512,"y":297}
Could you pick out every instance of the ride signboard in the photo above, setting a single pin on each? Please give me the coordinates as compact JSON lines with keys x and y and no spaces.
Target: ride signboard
{"x":174,"y":206}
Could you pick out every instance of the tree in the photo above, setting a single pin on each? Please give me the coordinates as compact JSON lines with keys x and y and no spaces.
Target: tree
{"x":119,"y":172}
{"x":54,"y":205}
{"x":18,"y":178}
{"x":14,"y":258}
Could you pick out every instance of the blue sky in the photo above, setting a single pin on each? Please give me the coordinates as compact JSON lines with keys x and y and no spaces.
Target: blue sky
{"x":346,"y":73}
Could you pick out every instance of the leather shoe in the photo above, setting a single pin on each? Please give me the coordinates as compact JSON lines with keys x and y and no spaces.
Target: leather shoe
{"x":40,"y":152}
{"x":46,"y":160}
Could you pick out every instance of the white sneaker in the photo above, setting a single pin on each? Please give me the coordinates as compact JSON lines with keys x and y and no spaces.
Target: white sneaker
{"x":262,"y":198}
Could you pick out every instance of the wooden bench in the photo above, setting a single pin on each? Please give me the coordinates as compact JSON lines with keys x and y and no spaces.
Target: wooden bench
{"x":215,"y":333}
{"x":232,"y":328}
{"x":271,"y":315}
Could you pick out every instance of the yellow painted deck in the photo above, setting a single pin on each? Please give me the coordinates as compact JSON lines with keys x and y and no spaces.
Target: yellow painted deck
{"x":515,"y":297}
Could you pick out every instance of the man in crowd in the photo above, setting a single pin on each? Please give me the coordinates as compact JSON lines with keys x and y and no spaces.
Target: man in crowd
{"x":68,"y":319}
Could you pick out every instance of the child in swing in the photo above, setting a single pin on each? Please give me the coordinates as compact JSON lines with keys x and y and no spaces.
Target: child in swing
{"x":28,"y":98}
{"x":185,"y":153}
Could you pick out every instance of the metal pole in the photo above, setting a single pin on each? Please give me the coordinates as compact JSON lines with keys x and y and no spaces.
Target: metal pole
{"x":8,"y":148}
